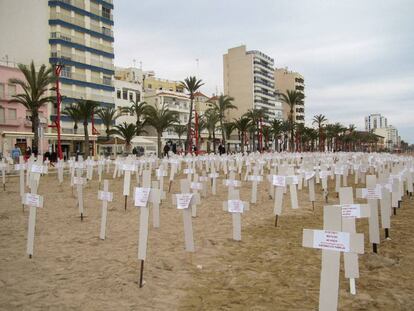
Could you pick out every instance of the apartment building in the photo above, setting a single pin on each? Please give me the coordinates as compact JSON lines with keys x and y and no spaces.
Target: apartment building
{"x":391,"y":138}
{"x":75,"y":33}
{"x":374,"y":121}
{"x":248,"y":78}
{"x":285,"y":80}
{"x":151,"y":82}
{"x":128,"y":90}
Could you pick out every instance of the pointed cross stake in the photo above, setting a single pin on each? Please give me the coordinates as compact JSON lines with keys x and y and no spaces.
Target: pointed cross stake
{"x":310,"y":178}
{"x":332,"y":241}
{"x":350,"y":211}
{"x":213,"y":175}
{"x":155,"y":199}
{"x":105,"y":196}
{"x":3,"y":166}
{"x":173,"y":170}
{"x":385,"y":206}
{"x":236,"y":208}
{"x":60,"y":166}
{"x":79,"y":181}
{"x":195,"y":187}
{"x":127,"y":167}
{"x":21,"y":167}
{"x":372,"y":193}
{"x":323,"y":175}
{"x":183,"y":201}
{"x":160,"y":175}
{"x":33,"y":201}
{"x":141,"y":201}
{"x":255,"y":179}
{"x":279,"y":182}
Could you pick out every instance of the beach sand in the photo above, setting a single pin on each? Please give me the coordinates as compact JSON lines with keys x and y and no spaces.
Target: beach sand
{"x":72,"y":269}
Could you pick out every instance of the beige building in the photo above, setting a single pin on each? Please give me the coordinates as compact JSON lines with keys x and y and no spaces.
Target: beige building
{"x":153,"y":83}
{"x":290,"y":80}
{"x":249,"y":78}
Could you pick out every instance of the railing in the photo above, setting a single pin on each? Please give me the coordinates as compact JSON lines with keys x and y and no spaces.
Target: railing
{"x":102,"y":47}
{"x":68,"y":56}
{"x":68,"y":18}
{"x":98,"y":63}
{"x":68,"y":38}
{"x":78,"y":3}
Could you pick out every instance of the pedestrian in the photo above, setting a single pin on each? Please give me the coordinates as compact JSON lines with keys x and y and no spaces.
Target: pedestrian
{"x":166,"y":150}
{"x":16,"y":153}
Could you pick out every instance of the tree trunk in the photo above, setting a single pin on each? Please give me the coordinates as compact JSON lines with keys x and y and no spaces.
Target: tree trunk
{"x":75,"y":128}
{"x":35,"y":129}
{"x":189,"y":124}
{"x":159,"y":144}
{"x":214,"y":141}
{"x":86,"y":133}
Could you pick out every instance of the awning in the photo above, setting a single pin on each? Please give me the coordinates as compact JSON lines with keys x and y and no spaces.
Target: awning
{"x":50,"y":136}
{"x":140,"y":140}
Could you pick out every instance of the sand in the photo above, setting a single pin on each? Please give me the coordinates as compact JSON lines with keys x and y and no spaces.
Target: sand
{"x":268,"y":270}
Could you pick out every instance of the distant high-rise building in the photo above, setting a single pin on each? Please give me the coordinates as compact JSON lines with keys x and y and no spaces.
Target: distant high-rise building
{"x":289,"y":80}
{"x":248,"y":78}
{"x":75,"y":33}
{"x":374,"y":121}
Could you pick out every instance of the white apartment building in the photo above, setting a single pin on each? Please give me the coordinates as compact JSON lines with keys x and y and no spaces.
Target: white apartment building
{"x":374,"y":121}
{"x":75,"y":33}
{"x":391,"y":137}
{"x":248,"y":78}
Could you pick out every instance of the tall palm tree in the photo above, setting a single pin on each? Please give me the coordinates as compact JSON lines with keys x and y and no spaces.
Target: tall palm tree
{"x":227,"y":129}
{"x":86,"y":109}
{"x":223,"y":104}
{"x":137,"y":109}
{"x":127,"y":132}
{"x":160,"y":119}
{"x":277,"y":130}
{"x":319,"y":120}
{"x":108,"y":116}
{"x":35,"y":86}
{"x":191,"y":85}
{"x":212,"y":119}
{"x":73,"y":113}
{"x":292,"y":98}
{"x":242,"y":124}
{"x":255,"y":115}
{"x":286,"y":129}
{"x":267,"y":133}
{"x":180,"y":130}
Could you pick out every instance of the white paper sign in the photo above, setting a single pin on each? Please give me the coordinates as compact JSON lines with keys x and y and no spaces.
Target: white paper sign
{"x":19,"y":167}
{"x":105,"y":196}
{"x":232,"y":183}
{"x":183,"y":200}
{"x":128,"y":167}
{"x":279,"y":181}
{"x":235,"y":206}
{"x":160,"y":173}
{"x":38,"y":169}
{"x":188,"y":171}
{"x":214,"y":175}
{"x":141,"y":196}
{"x":294,"y":179}
{"x":351,"y":210}
{"x":203,"y":178}
{"x":323,"y":174}
{"x":196,"y":186}
{"x":255,"y":178}
{"x":331,"y":240}
{"x":79,"y":165}
{"x":32,"y":200}
{"x":372,"y":194}
{"x":78,"y":180}
{"x":309,"y":175}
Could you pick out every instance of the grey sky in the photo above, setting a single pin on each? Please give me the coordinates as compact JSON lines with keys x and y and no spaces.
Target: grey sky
{"x":357,"y":56}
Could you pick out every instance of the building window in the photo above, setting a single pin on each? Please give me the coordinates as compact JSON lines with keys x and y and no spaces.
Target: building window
{"x":11,"y":90}
{"x":106,"y":80}
{"x":106,"y":12}
{"x":131,"y":96}
{"x":12,"y":114}
{"x":1,"y":90}
{"x":138,"y":96}
{"x":118,"y":94}
{"x":2,"y":117}
{"x":124,"y":94}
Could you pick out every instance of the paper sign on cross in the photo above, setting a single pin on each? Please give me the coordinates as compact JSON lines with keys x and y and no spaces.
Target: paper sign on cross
{"x":105,"y":196}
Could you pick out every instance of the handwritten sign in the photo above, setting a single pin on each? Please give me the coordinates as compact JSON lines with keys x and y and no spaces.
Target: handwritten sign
{"x":196,"y":186}
{"x":105,"y":196}
{"x":372,"y":194}
{"x":38,"y":169}
{"x":213,"y":175}
{"x":160,"y":173}
{"x":255,"y":178}
{"x":309,"y":175}
{"x":183,"y":200}
{"x":128,"y":167}
{"x":351,"y":210}
{"x":188,"y":171}
{"x":19,"y":167}
{"x":79,"y":165}
{"x":141,"y":196}
{"x":323,"y":174}
{"x":232,"y":183}
{"x":33,"y":200}
{"x":279,"y":181}
{"x":235,"y":206}
{"x":331,"y":240}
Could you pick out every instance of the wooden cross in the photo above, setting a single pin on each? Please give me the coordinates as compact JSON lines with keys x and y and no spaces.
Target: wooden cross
{"x":236,"y":207}
{"x":79,"y":181}
{"x":160,"y":175}
{"x":255,"y":178}
{"x":213,"y":175}
{"x":105,"y":196}
{"x":332,"y":242}
{"x":173,"y":170}
{"x":60,"y":166}
{"x":195,"y":187}
{"x":141,"y":201}
{"x":21,"y":167}
{"x":155,"y":199}
{"x":183,"y":201}
{"x":372,"y":193}
{"x":34,"y":201}
{"x":310,"y":178}
{"x":350,"y":211}
{"x":127,"y":167}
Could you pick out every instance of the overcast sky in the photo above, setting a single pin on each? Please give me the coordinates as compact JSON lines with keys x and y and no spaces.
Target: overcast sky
{"x":357,"y":56}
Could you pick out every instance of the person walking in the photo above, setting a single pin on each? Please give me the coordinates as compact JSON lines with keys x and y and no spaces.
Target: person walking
{"x":16,"y":153}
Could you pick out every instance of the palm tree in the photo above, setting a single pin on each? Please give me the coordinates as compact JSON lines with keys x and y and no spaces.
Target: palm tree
{"x":108,"y":117}
{"x":286,"y":129}
{"x":223,"y":104}
{"x":35,"y":87}
{"x":227,"y":129}
{"x":191,"y":84}
{"x":255,"y":115}
{"x":86,"y":108}
{"x":242,"y":124}
{"x":160,"y":120}
{"x":267,"y":133}
{"x":127,"y":132}
{"x":319,"y":120}
{"x":277,"y":129}
{"x":72,"y":112}
{"x":180,"y":130}
{"x":292,"y":98}
{"x":212,"y":119}
{"x":138,"y":109}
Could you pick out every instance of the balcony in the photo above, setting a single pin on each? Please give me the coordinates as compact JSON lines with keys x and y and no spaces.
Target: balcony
{"x":77,"y":3}
{"x":68,"y":38}
{"x":263,"y":64}
{"x":68,"y":18}
{"x":101,"y":64}
{"x":263,"y":74}
{"x":103,"y":30}
{"x":265,"y":83}
{"x":102,"y":47}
